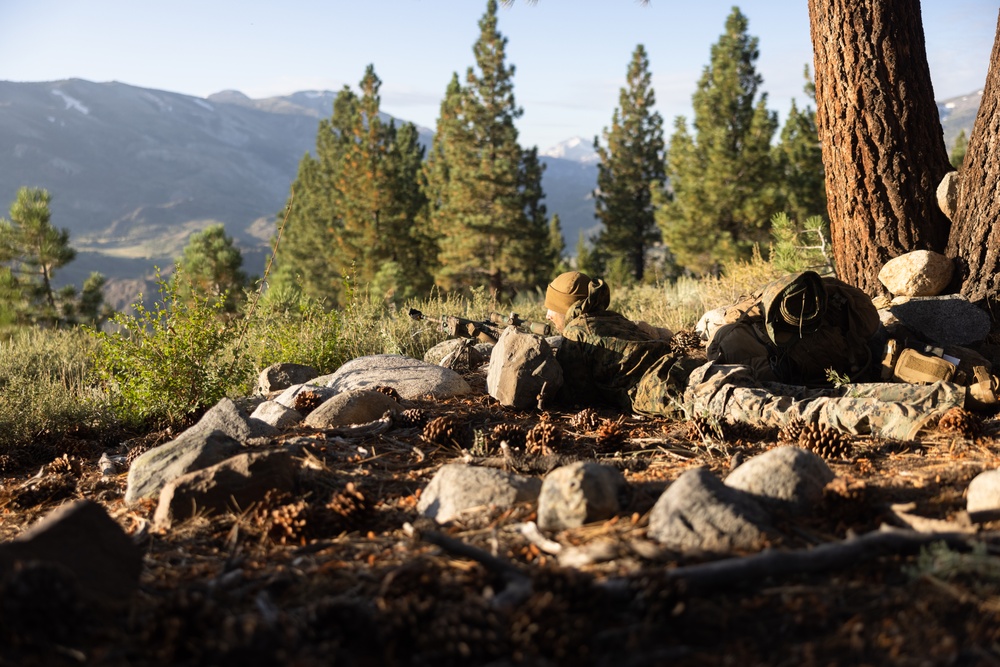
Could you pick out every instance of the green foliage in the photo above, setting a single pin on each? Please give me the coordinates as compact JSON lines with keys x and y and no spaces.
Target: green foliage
{"x":289,"y":326}
{"x":630,"y":163}
{"x":977,"y":567}
{"x":212,"y":269}
{"x":166,"y":362}
{"x":720,"y":180}
{"x":957,"y":156}
{"x":798,"y":162}
{"x":798,"y":247}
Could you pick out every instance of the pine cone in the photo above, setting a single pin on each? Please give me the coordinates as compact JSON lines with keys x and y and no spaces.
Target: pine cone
{"x":962,"y":422}
{"x":447,"y":431}
{"x":736,"y":431}
{"x":288,"y":523}
{"x":65,"y":465}
{"x":347,"y":509}
{"x":684,"y":341}
{"x":702,"y":428}
{"x":45,"y":489}
{"x":585,"y":420}
{"x":791,"y":431}
{"x":390,"y":392}
{"x":307,"y":401}
{"x":412,"y":417}
{"x":135,"y":452}
{"x":825,"y":442}
{"x":610,"y":435}
{"x":543,"y":439}
{"x":512,"y":434}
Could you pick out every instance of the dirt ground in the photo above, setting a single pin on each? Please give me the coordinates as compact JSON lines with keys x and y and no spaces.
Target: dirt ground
{"x":346,"y":573}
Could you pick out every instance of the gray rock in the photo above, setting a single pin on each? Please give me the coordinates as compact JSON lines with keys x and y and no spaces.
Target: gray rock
{"x":82,"y":538}
{"x":233,"y":420}
{"x":193,"y":449}
{"x":579,"y":493}
{"x":917,"y":273}
{"x":699,"y":512}
{"x":231,"y":485}
{"x":943,"y":320}
{"x":523,"y":367}
{"x":287,"y":397}
{"x":282,"y":376}
{"x":787,"y":478}
{"x":947,"y":194}
{"x":456,"y":354}
{"x":359,"y":406}
{"x":456,"y":488}
{"x":277,"y":415}
{"x":411,"y":377}
{"x":984,"y":492}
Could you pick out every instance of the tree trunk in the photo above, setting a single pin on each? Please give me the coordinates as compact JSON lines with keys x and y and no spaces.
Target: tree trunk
{"x":880,"y":133}
{"x":975,"y":238}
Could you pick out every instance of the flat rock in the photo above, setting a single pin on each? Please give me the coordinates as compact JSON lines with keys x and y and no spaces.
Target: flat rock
{"x":290,"y":396}
{"x":358,"y":406}
{"x":699,"y":512}
{"x":457,"y":488}
{"x":917,"y":273}
{"x":284,"y":375}
{"x":984,"y":492}
{"x":787,"y":478}
{"x":193,"y":449}
{"x":580,"y":493}
{"x":943,"y":320}
{"x":231,"y":485}
{"x":80,"y":537}
{"x":227,"y":416}
{"x":277,"y":415}
{"x":410,"y":377}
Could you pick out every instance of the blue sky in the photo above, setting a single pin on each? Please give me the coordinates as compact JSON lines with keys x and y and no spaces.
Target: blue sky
{"x":570,"y":55}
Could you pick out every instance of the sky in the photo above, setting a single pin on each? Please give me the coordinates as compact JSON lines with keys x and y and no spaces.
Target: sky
{"x":571,"y":56}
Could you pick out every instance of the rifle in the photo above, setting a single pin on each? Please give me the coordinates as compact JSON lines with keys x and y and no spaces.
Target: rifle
{"x":486,"y":331}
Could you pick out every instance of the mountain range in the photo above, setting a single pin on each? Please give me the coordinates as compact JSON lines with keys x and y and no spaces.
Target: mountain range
{"x":133,"y":172}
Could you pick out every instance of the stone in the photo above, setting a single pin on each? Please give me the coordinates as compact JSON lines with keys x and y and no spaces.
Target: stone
{"x":277,"y":377}
{"x":191,"y":450}
{"x":358,"y":406}
{"x":456,"y":353}
{"x":984,"y":493}
{"x":942,"y":320}
{"x":580,"y":493}
{"x":277,"y":415}
{"x":947,"y":194}
{"x":81,"y":537}
{"x":917,"y":273}
{"x":410,"y":377}
{"x":787,"y":478}
{"x":287,"y":397}
{"x":523,"y":368}
{"x":227,"y":416}
{"x":457,"y":488}
{"x":231,"y":485}
{"x":699,"y":512}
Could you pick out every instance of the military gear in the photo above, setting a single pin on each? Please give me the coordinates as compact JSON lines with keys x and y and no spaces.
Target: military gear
{"x":567,"y":289}
{"x":793,"y":307}
{"x":918,"y":368}
{"x":984,"y":392}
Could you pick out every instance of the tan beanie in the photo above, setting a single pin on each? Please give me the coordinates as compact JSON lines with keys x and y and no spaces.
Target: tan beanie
{"x":565,"y":290}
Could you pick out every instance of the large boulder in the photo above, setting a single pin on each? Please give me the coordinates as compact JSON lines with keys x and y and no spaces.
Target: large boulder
{"x":410,"y":377}
{"x":787,"y":478}
{"x":917,"y":273}
{"x":579,"y":493}
{"x":457,"y":488}
{"x":193,"y":449}
{"x":523,"y":368}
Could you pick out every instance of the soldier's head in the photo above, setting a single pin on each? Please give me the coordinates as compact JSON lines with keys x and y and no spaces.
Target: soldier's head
{"x":563,"y":292}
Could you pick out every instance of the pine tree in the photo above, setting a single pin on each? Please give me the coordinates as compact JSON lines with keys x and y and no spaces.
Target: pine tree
{"x":798,"y":162}
{"x":721,"y":191}
{"x":957,"y":157}
{"x":484,"y":190}
{"x":630,"y":163}
{"x":212,"y":267}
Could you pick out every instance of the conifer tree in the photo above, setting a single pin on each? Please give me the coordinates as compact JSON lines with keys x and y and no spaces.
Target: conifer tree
{"x":957,"y":156}
{"x":630,"y":163}
{"x":720,"y":178}
{"x":212,"y":267}
{"x":485,"y":191}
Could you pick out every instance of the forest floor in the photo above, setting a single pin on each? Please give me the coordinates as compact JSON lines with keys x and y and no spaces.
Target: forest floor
{"x":350,"y":575}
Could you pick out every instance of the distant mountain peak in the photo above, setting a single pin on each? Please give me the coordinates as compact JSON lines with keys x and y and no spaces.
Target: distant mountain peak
{"x":576,"y":149}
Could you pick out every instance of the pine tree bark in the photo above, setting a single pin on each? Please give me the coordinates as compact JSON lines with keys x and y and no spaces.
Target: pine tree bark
{"x":883,"y":149}
{"x":975,"y":238}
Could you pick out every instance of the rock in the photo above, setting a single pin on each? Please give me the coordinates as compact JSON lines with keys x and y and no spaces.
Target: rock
{"x":942,"y":320}
{"x":410,"y":377}
{"x":984,"y":492}
{"x":579,"y":493}
{"x":359,"y":406}
{"x":277,"y":415}
{"x":288,"y":397}
{"x":82,"y":538}
{"x":522,"y":368}
{"x":231,"y":419}
{"x":787,"y":478}
{"x":947,"y":194}
{"x":282,"y":376}
{"x":698,"y":511}
{"x":456,"y":488}
{"x":231,"y":485}
{"x":917,"y":273}
{"x":456,"y":353}
{"x":193,"y":449}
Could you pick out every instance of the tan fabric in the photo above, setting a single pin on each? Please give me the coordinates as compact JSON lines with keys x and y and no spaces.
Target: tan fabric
{"x":565,"y":290}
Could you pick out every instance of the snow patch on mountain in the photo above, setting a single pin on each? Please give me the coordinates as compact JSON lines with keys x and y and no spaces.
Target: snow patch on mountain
{"x":576,"y":149}
{"x":72,"y":102}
